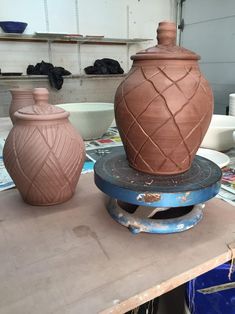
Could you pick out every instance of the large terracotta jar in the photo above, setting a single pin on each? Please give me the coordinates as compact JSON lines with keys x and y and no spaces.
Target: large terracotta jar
{"x":20,"y":98}
{"x":43,"y":153}
{"x":163,"y":107}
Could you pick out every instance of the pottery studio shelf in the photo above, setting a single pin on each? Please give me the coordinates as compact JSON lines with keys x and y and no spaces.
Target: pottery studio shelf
{"x":45,"y":77}
{"x":67,"y":39}
{"x":70,"y":39}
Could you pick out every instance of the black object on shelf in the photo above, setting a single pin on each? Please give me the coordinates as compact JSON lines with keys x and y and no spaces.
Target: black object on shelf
{"x":104,"y":66}
{"x":55,"y":74}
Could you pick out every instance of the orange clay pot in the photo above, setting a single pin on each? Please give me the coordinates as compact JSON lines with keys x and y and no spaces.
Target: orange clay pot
{"x":43,"y":153}
{"x":163,"y":107}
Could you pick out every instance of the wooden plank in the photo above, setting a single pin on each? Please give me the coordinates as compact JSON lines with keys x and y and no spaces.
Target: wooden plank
{"x":73,"y":258}
{"x":70,"y":39}
{"x":73,"y":76}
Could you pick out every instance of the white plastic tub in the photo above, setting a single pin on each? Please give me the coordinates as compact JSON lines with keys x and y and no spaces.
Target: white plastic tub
{"x":220,"y":135}
{"x":90,"y":119}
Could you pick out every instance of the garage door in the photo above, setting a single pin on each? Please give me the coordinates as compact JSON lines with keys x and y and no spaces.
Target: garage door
{"x":209,"y":30}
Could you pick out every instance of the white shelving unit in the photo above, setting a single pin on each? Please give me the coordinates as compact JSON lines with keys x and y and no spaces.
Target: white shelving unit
{"x":50,"y":38}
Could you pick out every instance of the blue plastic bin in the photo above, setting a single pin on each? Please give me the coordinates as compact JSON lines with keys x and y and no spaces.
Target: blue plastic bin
{"x":211,"y":303}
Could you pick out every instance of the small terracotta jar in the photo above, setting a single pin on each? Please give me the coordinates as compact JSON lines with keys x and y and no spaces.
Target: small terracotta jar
{"x":43,"y":153}
{"x":20,"y":98}
{"x":163,"y":107}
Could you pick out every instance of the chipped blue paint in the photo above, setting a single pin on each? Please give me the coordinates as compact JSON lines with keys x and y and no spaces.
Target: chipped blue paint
{"x":176,"y":199}
{"x":137,"y":225}
{"x":116,"y":178}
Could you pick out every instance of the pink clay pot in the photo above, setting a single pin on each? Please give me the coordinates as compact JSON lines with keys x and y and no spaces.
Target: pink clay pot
{"x":43,"y":153}
{"x":20,"y":98}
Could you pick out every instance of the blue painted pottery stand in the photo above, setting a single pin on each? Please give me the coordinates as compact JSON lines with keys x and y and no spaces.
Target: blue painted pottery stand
{"x":156,"y":203}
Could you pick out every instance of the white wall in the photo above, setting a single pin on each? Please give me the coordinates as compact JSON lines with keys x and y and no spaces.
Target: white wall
{"x":111,"y":18}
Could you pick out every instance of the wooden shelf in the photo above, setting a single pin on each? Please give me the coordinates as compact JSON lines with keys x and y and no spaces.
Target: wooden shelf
{"x":71,"y":39}
{"x":73,"y":76}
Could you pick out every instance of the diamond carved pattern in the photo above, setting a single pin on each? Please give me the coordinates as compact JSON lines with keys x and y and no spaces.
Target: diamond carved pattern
{"x":163,"y":116}
{"x":44,"y":161}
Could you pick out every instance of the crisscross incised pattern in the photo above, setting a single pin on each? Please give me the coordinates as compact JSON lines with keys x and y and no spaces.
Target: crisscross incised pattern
{"x":163,"y":113}
{"x":44,"y":161}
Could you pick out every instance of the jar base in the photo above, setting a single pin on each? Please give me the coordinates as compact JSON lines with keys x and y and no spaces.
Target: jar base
{"x":160,"y":172}
{"x":47,"y":203}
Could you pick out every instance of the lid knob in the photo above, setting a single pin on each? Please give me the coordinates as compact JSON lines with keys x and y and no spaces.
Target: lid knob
{"x":166,"y":33}
{"x":41,"y":109}
{"x":41,"y":96}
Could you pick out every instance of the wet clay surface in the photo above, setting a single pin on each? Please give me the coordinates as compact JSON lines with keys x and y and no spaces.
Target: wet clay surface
{"x":116,"y":170}
{"x":85,"y":231}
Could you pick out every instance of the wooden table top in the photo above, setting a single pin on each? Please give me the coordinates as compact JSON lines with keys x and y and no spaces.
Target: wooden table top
{"x":73,"y":258}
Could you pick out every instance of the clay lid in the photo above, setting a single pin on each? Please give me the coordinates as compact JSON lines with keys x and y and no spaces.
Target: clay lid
{"x":41,"y":110}
{"x":166,"y":48}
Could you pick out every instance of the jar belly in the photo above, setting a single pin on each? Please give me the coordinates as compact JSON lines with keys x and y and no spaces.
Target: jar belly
{"x":45,"y":161}
{"x":163,"y":111}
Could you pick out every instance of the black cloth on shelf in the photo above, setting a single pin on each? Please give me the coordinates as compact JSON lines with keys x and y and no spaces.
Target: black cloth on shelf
{"x":104,"y":66}
{"x":55,"y":74}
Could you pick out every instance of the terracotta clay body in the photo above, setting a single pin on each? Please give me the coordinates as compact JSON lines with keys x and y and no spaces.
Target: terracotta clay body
{"x":163,"y":107}
{"x":20,"y":98}
{"x":43,"y":153}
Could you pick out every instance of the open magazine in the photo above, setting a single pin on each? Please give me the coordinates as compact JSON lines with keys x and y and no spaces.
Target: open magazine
{"x":228,"y":179}
{"x":227,"y":191}
{"x":110,"y":142}
{"x":5,"y":180}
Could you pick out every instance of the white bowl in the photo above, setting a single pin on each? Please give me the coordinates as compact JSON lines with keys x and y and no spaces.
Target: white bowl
{"x":90,"y":119}
{"x":220,"y":134}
